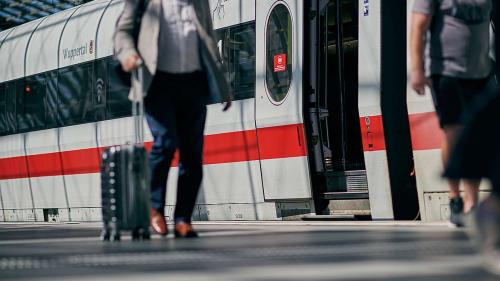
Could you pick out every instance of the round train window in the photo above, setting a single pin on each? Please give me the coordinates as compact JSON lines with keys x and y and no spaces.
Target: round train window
{"x":279,"y":53}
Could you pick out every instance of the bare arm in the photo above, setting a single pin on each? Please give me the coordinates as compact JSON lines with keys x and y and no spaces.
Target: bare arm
{"x":419,"y":26}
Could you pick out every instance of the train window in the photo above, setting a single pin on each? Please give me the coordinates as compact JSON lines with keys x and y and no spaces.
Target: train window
{"x":3,"y":111}
{"x":237,"y":45}
{"x":31,"y":103}
{"x":279,"y":53}
{"x":75,"y":95}
{"x":10,"y":108}
{"x":118,"y":104}
{"x":99,"y":83}
{"x":51,"y":100}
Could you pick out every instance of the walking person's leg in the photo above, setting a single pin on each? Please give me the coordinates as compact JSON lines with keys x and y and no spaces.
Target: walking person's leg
{"x":471,"y":187}
{"x":160,"y":158}
{"x":190,"y":164}
{"x":457,"y":205}
{"x":160,"y":115}
{"x":456,"y":202}
{"x":451,"y":132}
{"x":190,"y":125}
{"x":488,"y":212}
{"x":452,"y":96}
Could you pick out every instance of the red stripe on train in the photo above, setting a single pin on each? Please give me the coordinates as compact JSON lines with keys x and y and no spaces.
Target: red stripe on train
{"x":13,"y":168}
{"x":424,"y":128}
{"x":425,"y":131}
{"x":275,"y":142}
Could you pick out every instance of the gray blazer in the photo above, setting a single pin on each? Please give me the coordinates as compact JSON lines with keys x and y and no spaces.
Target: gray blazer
{"x":147,"y":46}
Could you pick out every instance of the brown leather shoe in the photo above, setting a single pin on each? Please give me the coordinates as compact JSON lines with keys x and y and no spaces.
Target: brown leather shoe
{"x":184,"y":230}
{"x":158,"y":222}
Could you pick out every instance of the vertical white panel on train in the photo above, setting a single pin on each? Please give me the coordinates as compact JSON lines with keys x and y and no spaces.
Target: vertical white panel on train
{"x":236,"y":182}
{"x":12,"y":53}
{"x":79,"y":35}
{"x":293,"y":181}
{"x":83,"y":188}
{"x":104,"y":46}
{"x":46,"y":183}
{"x":232,"y":182}
{"x":41,"y":55}
{"x":228,"y":13}
{"x":369,"y":105}
{"x":15,"y":192}
{"x":4,"y":34}
{"x":115,"y":132}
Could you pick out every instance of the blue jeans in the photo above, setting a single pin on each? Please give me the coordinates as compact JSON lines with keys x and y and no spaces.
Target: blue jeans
{"x":175,"y":110}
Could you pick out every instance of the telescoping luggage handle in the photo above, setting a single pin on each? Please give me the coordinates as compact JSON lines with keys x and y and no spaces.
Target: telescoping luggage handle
{"x":138,"y":106}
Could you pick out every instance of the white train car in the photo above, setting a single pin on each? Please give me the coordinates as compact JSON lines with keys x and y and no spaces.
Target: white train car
{"x":304,"y":136}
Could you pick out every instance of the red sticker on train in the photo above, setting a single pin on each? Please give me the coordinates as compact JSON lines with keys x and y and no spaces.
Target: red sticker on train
{"x":280,"y":63}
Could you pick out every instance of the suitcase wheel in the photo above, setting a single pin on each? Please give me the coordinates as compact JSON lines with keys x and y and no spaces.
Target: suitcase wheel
{"x":141,"y":233}
{"x":136,"y":235}
{"x":145,"y":234}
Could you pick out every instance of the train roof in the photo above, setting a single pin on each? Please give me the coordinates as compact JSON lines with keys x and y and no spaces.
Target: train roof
{"x":83,"y":33}
{"x":69,"y":37}
{"x":17,"y":12}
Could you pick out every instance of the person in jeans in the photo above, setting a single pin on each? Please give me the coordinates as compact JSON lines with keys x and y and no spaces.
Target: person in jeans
{"x":182,"y":71}
{"x":456,"y":33}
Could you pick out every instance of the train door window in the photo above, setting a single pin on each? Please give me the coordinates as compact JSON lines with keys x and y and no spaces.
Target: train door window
{"x":118,"y":104}
{"x":237,"y":45}
{"x":3,"y":111}
{"x":75,"y":95}
{"x":51,"y":100}
{"x":279,"y":53}
{"x":10,"y":122}
{"x":31,"y":103}
{"x":99,"y":83}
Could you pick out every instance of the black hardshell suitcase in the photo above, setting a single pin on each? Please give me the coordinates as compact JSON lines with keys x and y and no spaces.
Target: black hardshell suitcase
{"x":125,"y":191}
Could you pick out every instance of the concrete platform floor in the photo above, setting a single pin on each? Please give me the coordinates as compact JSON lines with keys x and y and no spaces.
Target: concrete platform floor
{"x":244,"y":251}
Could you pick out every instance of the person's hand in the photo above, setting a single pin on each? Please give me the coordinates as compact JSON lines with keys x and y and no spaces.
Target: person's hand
{"x":227,"y":104}
{"x":418,"y":82}
{"x":131,"y":63}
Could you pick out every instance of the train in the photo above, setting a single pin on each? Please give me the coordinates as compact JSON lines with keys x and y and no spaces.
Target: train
{"x":323,"y":121}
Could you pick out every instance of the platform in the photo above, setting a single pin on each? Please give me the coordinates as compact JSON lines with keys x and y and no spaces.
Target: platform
{"x":244,"y":251}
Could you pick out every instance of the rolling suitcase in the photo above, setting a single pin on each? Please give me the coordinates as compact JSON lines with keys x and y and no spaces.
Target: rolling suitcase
{"x":125,"y":191}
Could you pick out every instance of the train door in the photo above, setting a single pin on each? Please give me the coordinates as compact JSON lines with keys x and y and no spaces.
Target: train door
{"x":331,"y":103}
{"x":278,"y":101}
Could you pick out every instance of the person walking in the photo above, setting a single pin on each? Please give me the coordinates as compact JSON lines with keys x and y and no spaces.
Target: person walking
{"x":456,"y":33}
{"x":476,"y":155}
{"x":182,"y":71}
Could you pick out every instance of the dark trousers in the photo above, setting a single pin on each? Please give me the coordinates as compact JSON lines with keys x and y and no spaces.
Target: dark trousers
{"x":477,"y":152}
{"x":175,"y":111}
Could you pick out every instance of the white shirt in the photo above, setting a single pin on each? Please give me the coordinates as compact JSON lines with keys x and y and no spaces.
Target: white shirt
{"x":178,"y":39}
